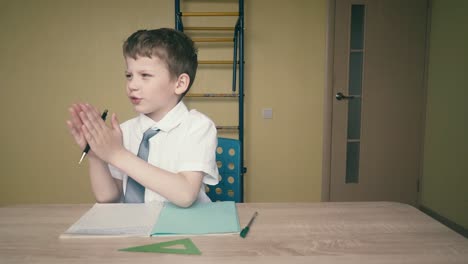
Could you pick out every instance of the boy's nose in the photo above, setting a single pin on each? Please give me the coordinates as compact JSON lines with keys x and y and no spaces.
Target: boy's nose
{"x":132,"y":85}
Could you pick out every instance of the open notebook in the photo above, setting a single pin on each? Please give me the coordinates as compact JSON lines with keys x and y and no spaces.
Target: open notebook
{"x":156,"y":219}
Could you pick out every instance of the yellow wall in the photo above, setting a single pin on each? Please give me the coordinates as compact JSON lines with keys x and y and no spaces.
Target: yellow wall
{"x":445,"y":178}
{"x":58,"y":52}
{"x":286,"y":71}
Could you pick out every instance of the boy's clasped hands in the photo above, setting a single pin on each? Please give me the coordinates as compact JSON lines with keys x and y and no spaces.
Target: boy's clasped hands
{"x":87,"y":127}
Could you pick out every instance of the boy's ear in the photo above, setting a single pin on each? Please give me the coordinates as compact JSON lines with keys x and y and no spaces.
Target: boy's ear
{"x":182,"y":83}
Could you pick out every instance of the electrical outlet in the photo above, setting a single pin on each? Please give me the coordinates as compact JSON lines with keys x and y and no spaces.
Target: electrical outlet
{"x":267,"y":113}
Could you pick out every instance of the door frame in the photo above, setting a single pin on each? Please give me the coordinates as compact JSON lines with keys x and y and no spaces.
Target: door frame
{"x":328,"y":101}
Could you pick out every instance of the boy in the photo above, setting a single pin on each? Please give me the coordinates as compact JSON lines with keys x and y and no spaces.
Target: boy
{"x":161,"y":66}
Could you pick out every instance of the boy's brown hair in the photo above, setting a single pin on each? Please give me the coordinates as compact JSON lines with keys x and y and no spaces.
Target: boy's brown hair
{"x":173,"y":47}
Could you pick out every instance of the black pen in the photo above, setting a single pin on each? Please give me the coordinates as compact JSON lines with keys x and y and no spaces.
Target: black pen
{"x":87,"y":148}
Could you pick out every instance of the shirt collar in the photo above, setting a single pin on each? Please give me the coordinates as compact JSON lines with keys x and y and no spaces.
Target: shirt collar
{"x":171,"y":120}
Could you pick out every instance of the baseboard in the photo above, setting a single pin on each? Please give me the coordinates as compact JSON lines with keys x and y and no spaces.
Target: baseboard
{"x":447,"y":222}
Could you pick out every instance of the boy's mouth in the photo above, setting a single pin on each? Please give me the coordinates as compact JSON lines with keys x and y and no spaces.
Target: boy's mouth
{"x":135,"y":100}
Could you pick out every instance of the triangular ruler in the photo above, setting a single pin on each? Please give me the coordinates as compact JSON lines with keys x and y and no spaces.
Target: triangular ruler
{"x":165,"y":247}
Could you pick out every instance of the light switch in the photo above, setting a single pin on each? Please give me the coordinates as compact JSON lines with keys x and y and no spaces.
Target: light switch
{"x":267,"y":113}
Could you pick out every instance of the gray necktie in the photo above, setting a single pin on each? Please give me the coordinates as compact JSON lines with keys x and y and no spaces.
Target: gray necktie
{"x":135,"y":192}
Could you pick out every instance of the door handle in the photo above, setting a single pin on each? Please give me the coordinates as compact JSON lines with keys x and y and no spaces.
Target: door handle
{"x":341,"y":96}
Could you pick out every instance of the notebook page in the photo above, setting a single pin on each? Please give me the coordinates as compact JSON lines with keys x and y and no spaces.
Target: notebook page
{"x":117,"y":220}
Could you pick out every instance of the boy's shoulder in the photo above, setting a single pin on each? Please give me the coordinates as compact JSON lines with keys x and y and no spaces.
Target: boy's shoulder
{"x":195,"y":118}
{"x":195,"y":115}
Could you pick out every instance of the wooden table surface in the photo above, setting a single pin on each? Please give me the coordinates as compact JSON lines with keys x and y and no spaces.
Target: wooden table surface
{"x":370,"y":232}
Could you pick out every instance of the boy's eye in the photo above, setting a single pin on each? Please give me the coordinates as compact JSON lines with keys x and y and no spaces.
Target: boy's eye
{"x":145,"y":75}
{"x":128,"y":76}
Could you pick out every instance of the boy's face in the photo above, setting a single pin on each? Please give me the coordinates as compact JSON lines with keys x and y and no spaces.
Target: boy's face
{"x":150,"y":87}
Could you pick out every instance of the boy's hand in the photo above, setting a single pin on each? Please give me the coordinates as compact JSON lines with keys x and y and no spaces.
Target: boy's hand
{"x":75,"y":123}
{"x":105,"y":141}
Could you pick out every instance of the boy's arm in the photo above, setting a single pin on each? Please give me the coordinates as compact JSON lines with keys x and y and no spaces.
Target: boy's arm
{"x":106,"y":189}
{"x":180,"y":188}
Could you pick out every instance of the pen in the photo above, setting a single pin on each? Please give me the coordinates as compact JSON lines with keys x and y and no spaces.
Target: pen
{"x":87,"y":148}
{"x":246,"y":229}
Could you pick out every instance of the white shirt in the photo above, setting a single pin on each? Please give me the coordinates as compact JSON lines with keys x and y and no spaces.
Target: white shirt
{"x":187,"y":142}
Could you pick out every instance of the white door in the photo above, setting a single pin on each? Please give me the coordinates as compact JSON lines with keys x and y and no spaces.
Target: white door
{"x":378,"y":73}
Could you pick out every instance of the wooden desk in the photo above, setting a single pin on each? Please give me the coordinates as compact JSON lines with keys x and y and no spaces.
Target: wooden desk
{"x":282,"y":233}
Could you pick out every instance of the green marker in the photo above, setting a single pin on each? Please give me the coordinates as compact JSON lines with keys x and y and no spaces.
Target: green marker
{"x":246,"y":229}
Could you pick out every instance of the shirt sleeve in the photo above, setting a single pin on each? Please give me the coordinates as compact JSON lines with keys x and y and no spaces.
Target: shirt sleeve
{"x":116,"y":173}
{"x":199,"y":150}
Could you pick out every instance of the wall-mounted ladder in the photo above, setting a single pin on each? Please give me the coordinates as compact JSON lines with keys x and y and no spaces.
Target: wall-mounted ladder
{"x":237,"y":63}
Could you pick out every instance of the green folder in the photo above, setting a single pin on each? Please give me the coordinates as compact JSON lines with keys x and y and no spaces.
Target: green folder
{"x":199,"y":219}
